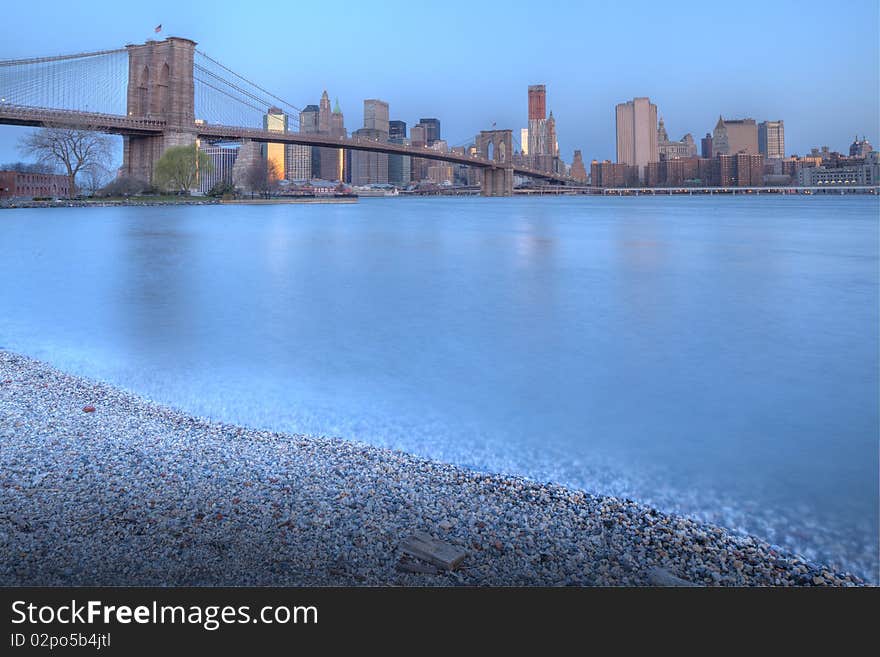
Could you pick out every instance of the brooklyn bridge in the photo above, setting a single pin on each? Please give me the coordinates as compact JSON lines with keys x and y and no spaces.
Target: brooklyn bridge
{"x":168,"y":93}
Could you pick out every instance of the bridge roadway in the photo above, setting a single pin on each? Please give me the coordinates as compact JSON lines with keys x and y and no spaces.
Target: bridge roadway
{"x":133,"y":125}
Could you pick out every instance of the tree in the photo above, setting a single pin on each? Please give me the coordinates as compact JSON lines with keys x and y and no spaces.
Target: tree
{"x":125,"y":186}
{"x":93,"y":178}
{"x":28,"y":167}
{"x":262,"y":177}
{"x":180,"y":166}
{"x":73,"y":149}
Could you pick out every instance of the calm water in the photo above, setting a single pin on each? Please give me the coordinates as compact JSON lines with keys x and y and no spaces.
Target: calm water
{"x":716,"y":356}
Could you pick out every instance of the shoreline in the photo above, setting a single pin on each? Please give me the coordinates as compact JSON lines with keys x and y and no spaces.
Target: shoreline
{"x":136,"y":493}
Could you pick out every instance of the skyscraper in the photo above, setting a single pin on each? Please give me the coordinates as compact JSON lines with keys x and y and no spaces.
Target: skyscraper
{"x":275,"y":121}
{"x":399,"y":166}
{"x":578,"y":170}
{"x":537,"y":102}
{"x":637,"y":145}
{"x":432,"y":130}
{"x":308,"y":124}
{"x":734,"y":136}
{"x":367,"y":167}
{"x":706,"y":146}
{"x":396,"y":130}
{"x":418,"y":139}
{"x":337,"y":129}
{"x":524,"y":140}
{"x":376,"y":115}
{"x":771,"y":139}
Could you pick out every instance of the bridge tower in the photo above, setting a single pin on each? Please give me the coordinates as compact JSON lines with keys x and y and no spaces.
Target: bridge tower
{"x":497,"y":145}
{"x":160,"y":86}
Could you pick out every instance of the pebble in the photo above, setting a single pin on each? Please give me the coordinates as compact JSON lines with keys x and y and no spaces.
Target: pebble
{"x":143,"y":495}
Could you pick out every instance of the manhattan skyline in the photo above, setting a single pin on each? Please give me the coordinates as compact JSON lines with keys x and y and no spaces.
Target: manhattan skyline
{"x":469,"y":65}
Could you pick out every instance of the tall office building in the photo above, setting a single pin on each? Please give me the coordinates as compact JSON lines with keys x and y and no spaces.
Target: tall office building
{"x":396,"y":130}
{"x":734,"y":136}
{"x":298,"y":162}
{"x":275,"y":120}
{"x":637,"y":144}
{"x":399,"y":166}
{"x":706,"y":146}
{"x":308,"y":124}
{"x":771,"y":139}
{"x":376,"y":115}
{"x":537,"y":102}
{"x":368,"y":168}
{"x":432,"y":130}
{"x":578,"y":170}
{"x":418,"y":139}
{"x":524,"y":140}
{"x":337,"y":129}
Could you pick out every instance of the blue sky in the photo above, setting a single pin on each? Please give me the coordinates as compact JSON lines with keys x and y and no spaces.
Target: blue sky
{"x":813,"y":64}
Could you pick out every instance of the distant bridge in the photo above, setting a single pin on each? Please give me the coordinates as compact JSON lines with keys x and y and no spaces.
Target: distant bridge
{"x":160,"y":82}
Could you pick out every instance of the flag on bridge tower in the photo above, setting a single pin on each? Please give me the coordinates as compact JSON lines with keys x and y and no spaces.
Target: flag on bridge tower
{"x":158,"y":28}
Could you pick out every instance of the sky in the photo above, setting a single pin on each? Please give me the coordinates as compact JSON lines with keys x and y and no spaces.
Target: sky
{"x":816,"y":65}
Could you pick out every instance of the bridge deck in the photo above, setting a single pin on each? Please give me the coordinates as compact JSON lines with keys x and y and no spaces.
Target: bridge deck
{"x":132,"y":125}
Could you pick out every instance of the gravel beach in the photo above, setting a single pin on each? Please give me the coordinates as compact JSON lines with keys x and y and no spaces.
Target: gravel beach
{"x":100,"y":487}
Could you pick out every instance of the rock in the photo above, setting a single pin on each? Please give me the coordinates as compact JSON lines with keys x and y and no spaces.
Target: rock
{"x":662,"y":577}
{"x":88,"y":409}
{"x":445,"y":525}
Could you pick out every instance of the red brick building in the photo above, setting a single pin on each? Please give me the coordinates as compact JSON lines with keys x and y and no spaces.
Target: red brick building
{"x":25,"y":185}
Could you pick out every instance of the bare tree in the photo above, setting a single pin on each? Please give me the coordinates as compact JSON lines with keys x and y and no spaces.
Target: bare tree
{"x":262,"y":177}
{"x":94,"y":177}
{"x":74,"y":149}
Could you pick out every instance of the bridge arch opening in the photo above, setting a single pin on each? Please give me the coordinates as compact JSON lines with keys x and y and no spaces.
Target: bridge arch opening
{"x":160,"y":96}
{"x":490,"y":151}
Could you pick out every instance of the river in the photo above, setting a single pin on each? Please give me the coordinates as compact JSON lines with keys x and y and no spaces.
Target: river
{"x":715,"y":356}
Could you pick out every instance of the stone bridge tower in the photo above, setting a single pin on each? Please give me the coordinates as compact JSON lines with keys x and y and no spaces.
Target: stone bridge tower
{"x":497,"y":145}
{"x":160,"y":86}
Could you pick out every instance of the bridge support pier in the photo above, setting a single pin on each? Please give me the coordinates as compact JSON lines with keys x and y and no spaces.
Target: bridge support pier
{"x":497,"y":182}
{"x":141,"y":153}
{"x":160,"y":86}
{"x":249,"y":153}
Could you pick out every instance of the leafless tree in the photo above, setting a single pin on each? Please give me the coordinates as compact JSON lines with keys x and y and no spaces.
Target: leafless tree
{"x":93,"y":178}
{"x":262,"y":177}
{"x":75,"y":150}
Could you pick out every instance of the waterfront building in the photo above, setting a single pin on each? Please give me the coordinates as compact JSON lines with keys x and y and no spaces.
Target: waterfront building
{"x":440,"y":173}
{"x":771,"y":139}
{"x":222,"y":160}
{"x":734,"y":136}
{"x":27,"y":185}
{"x":867,"y":173}
{"x":706,"y":146}
{"x":636,"y":124}
{"x":275,"y":120}
{"x":609,"y":174}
